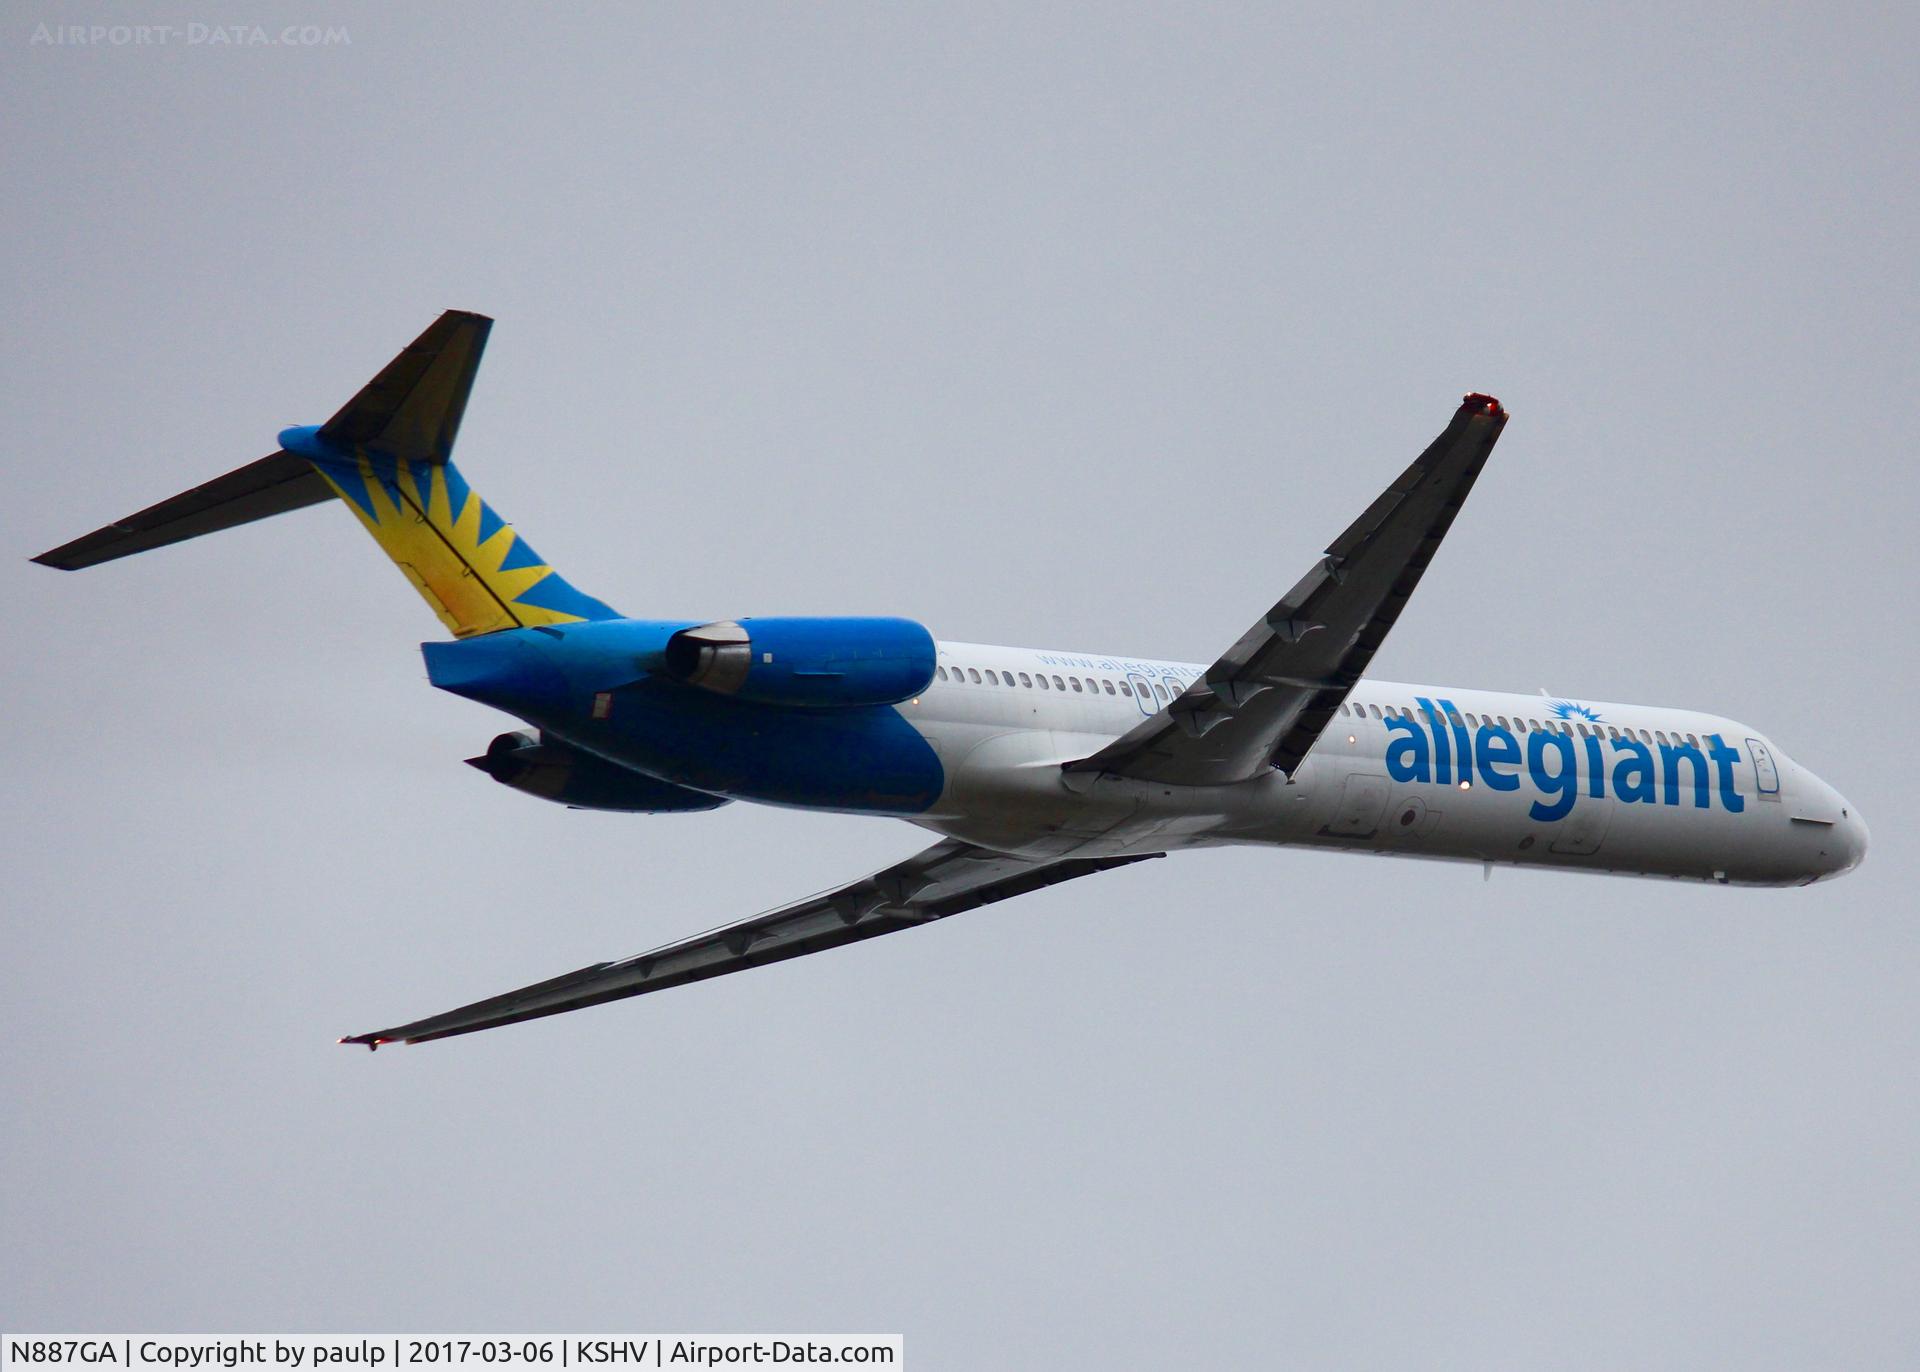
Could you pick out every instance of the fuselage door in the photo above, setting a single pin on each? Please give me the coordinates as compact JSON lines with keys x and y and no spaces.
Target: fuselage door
{"x":1361,"y":802}
{"x":1142,"y":694}
{"x":1766,"y":776}
{"x":1581,"y":833}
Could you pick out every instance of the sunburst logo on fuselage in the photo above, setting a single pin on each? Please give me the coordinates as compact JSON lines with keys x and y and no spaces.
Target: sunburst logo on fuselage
{"x":1573,"y":709}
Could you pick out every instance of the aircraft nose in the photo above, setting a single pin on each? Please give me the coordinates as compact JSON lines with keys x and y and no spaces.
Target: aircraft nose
{"x":1854,"y":836}
{"x":1846,"y":843}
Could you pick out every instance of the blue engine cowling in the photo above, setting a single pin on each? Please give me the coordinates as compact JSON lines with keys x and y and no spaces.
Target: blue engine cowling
{"x":812,"y":663}
{"x":552,"y":770}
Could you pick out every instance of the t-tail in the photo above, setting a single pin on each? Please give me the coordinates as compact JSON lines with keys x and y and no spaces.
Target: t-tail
{"x":388,"y":455}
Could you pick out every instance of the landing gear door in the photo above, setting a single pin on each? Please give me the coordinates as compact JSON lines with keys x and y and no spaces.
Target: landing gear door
{"x":1766,"y":776}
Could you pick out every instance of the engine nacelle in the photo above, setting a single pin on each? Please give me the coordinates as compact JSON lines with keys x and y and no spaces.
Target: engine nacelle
{"x":813,"y":663}
{"x":554,"y":771}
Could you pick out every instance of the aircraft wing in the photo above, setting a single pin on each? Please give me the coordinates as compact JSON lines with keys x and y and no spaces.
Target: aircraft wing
{"x":1265,"y":702}
{"x":946,"y":879}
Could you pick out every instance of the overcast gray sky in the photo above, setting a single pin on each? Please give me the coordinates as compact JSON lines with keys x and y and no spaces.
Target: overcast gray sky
{"x":1081,"y":327}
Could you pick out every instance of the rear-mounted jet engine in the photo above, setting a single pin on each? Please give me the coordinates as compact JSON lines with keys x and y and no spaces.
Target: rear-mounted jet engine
{"x":809,"y":663}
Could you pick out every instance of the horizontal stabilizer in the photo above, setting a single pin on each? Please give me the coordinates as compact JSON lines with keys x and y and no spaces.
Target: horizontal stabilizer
{"x":271,"y":486}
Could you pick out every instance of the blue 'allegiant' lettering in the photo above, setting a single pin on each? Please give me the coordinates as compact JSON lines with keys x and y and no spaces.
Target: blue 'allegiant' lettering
{"x":1463,"y":746}
{"x":1596,"y":769}
{"x":1407,"y":755}
{"x":1437,"y":749}
{"x":1633,"y":773}
{"x":1562,"y":784}
{"x":1723,"y":760}
{"x":1442,"y":750}
{"x":1495,"y":746}
{"x":1671,"y":756}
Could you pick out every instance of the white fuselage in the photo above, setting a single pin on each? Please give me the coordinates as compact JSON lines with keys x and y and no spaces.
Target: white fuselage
{"x":1421,"y":771}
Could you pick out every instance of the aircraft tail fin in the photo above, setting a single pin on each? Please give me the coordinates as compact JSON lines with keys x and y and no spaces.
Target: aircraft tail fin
{"x":413,"y":409}
{"x":387,"y":454}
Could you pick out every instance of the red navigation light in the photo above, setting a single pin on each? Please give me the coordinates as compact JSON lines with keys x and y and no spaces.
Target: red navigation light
{"x":1482,"y":404}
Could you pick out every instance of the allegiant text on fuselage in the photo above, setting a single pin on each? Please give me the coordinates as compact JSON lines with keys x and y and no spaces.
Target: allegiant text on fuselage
{"x":1440,"y":749}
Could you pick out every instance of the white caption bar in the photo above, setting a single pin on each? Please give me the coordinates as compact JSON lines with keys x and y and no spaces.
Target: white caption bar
{"x":365,"y":1352}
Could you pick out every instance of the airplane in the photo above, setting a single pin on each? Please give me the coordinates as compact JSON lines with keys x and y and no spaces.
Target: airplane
{"x":1032,"y":767}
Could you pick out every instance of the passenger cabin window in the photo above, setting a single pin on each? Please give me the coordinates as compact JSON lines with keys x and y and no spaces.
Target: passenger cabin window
{"x":1059,"y":685}
{"x":1109,"y":686}
{"x":942,"y":671}
{"x":992,"y":680}
{"x":1025,"y":680}
{"x":973,"y":675}
{"x":1125,"y":689}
